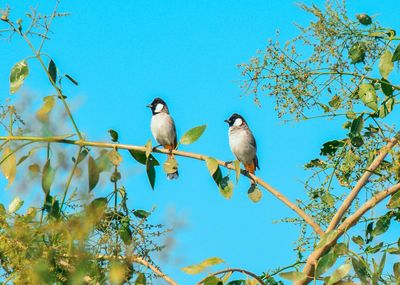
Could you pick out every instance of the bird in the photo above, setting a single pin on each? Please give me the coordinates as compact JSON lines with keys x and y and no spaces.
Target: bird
{"x":242,"y":142}
{"x":163,"y":129}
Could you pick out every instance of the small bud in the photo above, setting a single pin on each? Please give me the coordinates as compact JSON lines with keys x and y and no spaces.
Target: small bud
{"x":364,"y":19}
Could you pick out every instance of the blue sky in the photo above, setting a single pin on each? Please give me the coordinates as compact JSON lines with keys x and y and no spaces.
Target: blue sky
{"x":125,"y":53}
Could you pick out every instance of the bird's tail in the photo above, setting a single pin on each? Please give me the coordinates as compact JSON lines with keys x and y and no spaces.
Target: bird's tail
{"x":174,"y":175}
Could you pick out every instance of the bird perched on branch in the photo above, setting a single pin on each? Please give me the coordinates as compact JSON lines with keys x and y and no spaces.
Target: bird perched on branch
{"x":242,"y":142}
{"x":163,"y":129}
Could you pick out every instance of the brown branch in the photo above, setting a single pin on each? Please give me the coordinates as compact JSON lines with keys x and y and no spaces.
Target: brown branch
{"x":363,"y":180}
{"x":347,"y":224}
{"x":243,"y":271}
{"x":256,"y":179}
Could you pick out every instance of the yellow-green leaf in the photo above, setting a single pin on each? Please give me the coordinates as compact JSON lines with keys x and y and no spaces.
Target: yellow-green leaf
{"x":170,"y":166}
{"x":326,"y":239}
{"x":192,"y":135}
{"x":15,"y":205}
{"x":114,"y":157}
{"x":9,"y":165}
{"x":197,"y":268}
{"x":226,"y":187}
{"x":141,"y":279}
{"x":254,"y":193}
{"x":385,"y":64}
{"x":236,"y":164}
{"x":18,"y":74}
{"x":48,"y":174}
{"x":212,"y":165}
{"x":394,"y":201}
{"x":48,"y":104}
{"x":148,"y":148}
{"x":93,"y":173}
{"x":339,"y":273}
{"x":293,"y":275}
{"x":325,"y":262}
{"x":367,"y":95}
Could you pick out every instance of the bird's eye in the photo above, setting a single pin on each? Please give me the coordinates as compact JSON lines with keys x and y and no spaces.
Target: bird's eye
{"x":159,"y":107}
{"x":238,"y":122}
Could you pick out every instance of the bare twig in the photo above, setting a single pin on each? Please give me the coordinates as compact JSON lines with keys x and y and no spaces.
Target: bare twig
{"x":256,"y":179}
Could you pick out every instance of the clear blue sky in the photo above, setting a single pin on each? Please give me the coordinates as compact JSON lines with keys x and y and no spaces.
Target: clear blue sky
{"x":125,"y":53}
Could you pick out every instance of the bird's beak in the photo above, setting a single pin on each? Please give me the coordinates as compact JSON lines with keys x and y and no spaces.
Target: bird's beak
{"x":149,"y":106}
{"x":226,"y":121}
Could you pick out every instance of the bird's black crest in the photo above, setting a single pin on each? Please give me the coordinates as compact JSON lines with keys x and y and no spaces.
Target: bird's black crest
{"x":233,"y":117}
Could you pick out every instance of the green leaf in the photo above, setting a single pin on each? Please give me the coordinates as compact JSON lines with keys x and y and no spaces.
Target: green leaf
{"x":192,"y":135}
{"x":339,"y":273}
{"x":82,"y":155}
{"x":141,"y":214}
{"x":328,"y":199}
{"x":124,"y":231}
{"x":140,"y":157}
{"x":114,"y":157}
{"x":357,"y":125}
{"x":9,"y":165}
{"x":396,"y":270}
{"x":325,"y":262}
{"x":364,"y":19}
{"x":236,"y":282}
{"x":361,"y":270}
{"x":93,"y":172}
{"x":358,"y":240}
{"x":197,"y":268}
{"x":102,"y":161}
{"x":148,"y":147}
{"x":396,"y":54}
{"x":341,"y":249}
{"x":151,"y":173}
{"x":141,"y":279}
{"x":99,"y":203}
{"x":236,"y":164}
{"x":48,"y":174}
{"x":212,"y":280}
{"x":114,"y":135}
{"x":394,"y":201}
{"x":170,"y":165}
{"x":18,"y":74}
{"x":382,"y":225}
{"x":335,"y":102}
{"x":254,"y":193}
{"x":330,"y":148}
{"x":226,"y":187}
{"x":374,"y":249}
{"x":386,"y":87}
{"x":357,"y":53}
{"x":15,"y":205}
{"x":385,"y":64}
{"x":386,"y":107}
{"x":326,"y":239}
{"x":212,"y":165}
{"x":71,"y":79}
{"x":293,"y":275}
{"x":52,"y":71}
{"x":367,"y":94}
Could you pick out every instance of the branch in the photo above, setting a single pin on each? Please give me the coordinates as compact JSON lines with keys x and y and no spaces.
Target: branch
{"x":139,"y":260}
{"x":346,"y":225}
{"x":234,"y":270}
{"x":363,"y":180}
{"x":256,"y":179}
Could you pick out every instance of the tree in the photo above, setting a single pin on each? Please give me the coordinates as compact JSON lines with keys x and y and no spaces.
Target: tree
{"x":72,"y":239}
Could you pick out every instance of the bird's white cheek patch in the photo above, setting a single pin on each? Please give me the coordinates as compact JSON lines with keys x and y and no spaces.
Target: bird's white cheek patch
{"x":159,"y":107}
{"x":238,"y":122}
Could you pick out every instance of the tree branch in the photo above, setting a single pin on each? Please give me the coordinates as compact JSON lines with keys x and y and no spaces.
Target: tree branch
{"x":347,"y":224}
{"x":243,"y":271}
{"x":256,"y":179}
{"x":360,"y":183}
